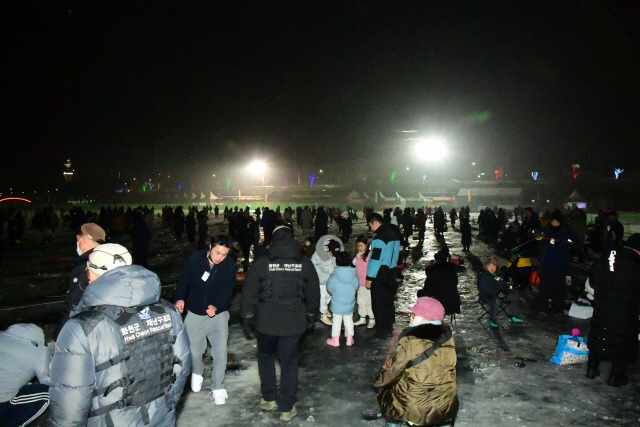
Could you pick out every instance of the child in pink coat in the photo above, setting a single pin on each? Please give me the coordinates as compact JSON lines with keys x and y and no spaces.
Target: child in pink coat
{"x":361,"y":261}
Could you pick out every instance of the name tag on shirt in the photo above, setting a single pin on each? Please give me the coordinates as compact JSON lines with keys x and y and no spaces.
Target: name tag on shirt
{"x":205,"y":276}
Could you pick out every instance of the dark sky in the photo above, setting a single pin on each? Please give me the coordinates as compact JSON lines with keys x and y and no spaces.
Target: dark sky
{"x":176,"y":87}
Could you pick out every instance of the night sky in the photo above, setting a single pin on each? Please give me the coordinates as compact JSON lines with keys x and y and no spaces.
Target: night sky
{"x":186,"y":88}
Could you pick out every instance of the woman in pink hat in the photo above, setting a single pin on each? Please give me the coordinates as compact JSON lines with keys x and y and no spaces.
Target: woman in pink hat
{"x":419,"y":380}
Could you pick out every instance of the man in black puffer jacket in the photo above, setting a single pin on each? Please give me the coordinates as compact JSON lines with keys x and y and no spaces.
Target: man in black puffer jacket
{"x":281,"y":296}
{"x":614,"y":325}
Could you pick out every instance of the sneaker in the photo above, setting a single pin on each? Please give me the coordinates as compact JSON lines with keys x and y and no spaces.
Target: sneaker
{"x":493,"y":324}
{"x":196,"y":382}
{"x":514,"y":319}
{"x":219,"y":396}
{"x":371,"y":324}
{"x":288,"y":416}
{"x":268,"y":405}
{"x":360,"y":322}
{"x":325,"y":319}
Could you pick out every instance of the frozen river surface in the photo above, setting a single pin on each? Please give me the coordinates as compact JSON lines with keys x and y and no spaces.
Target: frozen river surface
{"x":335,"y":383}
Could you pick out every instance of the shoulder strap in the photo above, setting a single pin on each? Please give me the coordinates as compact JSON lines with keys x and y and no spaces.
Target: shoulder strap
{"x":436,"y":344}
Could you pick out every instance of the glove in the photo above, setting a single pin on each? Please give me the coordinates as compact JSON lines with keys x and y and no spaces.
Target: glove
{"x":311,"y":322}
{"x":247,"y":327}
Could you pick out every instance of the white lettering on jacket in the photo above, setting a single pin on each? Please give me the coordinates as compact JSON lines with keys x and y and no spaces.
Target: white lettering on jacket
{"x":612,"y":260}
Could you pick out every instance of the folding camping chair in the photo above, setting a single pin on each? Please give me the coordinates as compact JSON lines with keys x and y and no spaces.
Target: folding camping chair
{"x":486,"y":308}
{"x":453,"y":322}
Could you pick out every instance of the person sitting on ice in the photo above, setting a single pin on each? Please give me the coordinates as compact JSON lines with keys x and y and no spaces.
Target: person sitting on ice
{"x":419,"y":380}
{"x":441,"y":282}
{"x":490,"y":289}
{"x":23,"y":356}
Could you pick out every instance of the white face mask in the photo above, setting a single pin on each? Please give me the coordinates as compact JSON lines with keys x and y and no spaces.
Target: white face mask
{"x":78,"y":248}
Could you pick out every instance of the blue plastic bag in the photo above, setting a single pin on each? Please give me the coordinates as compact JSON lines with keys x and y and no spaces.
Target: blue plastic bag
{"x":571,"y":349}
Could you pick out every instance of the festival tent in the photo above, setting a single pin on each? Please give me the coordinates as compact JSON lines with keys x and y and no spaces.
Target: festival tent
{"x":575,"y":199}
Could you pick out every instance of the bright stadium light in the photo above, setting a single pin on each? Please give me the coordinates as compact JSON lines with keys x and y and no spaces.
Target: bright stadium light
{"x":433,"y":148}
{"x":258,"y":168}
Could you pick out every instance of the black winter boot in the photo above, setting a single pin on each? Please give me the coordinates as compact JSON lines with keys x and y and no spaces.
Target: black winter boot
{"x":592,"y":369}
{"x":617,"y":377}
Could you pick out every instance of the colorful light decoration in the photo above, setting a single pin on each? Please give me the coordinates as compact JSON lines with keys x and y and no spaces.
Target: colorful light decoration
{"x":312,"y":177}
{"x":497,"y":174}
{"x":6,"y":199}
{"x":228,"y":183}
{"x":393,"y":176}
{"x":617,"y":172}
{"x":534,"y":175}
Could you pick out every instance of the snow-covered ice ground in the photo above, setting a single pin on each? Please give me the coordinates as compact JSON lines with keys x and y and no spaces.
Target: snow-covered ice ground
{"x":335,"y":383}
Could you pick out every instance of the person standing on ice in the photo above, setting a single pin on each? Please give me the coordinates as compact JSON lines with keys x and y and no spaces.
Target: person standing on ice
{"x":204,"y":289}
{"x":614,"y":326}
{"x":342,"y":285}
{"x":280,"y":299}
{"x":89,"y":237}
{"x":324,"y":261}
{"x":123,"y":358}
{"x":361,"y":261}
{"x":381,"y":276}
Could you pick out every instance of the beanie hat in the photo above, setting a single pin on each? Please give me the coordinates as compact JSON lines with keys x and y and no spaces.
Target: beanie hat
{"x":107,"y":257}
{"x":557,"y":215}
{"x":333,"y":246}
{"x":442,"y":255}
{"x":92,"y":231}
{"x":633,"y":241}
{"x":428,"y":308}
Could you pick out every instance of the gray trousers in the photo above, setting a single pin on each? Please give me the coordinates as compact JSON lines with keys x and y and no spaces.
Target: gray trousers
{"x":216,"y":330}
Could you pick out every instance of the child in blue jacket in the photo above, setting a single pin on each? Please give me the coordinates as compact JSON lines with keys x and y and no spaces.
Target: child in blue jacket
{"x":342,"y":285}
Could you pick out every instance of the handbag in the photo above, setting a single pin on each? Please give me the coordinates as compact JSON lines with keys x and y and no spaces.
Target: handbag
{"x":571,"y":349}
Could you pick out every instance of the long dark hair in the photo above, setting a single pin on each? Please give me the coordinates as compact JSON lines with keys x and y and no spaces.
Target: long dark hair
{"x":363,"y":238}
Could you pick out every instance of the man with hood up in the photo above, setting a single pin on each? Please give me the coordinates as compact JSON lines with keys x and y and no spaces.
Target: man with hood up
{"x":280,"y":299}
{"x":23,"y":355}
{"x":123,"y":358}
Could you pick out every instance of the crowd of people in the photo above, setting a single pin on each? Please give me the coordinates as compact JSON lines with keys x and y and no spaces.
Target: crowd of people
{"x":120,"y":354}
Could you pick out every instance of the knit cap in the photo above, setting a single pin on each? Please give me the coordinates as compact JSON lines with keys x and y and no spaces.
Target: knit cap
{"x":428,"y":308}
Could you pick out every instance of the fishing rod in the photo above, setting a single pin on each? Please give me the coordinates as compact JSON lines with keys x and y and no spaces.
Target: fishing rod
{"x":404,"y":320}
{"x":520,"y":360}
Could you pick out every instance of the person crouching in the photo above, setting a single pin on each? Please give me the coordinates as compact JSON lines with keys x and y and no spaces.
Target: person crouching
{"x":416,"y":387}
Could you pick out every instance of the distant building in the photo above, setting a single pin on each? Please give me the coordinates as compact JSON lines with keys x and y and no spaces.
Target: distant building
{"x":67,"y":172}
